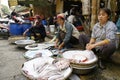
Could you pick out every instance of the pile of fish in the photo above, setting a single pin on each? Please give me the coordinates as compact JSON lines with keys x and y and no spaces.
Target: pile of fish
{"x":82,"y":61}
{"x":49,"y":63}
{"x":30,"y":54}
{"x":46,"y":68}
{"x":77,"y":56}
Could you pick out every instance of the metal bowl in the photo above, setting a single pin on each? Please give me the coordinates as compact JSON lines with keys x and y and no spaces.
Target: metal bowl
{"x":83,"y":70}
{"x":23,"y":43}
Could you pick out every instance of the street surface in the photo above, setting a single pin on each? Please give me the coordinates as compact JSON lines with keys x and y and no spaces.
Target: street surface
{"x":11,"y":60}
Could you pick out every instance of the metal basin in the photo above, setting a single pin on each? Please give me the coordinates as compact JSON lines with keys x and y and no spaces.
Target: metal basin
{"x":83,"y":70}
{"x":82,"y":67}
{"x":23,"y":43}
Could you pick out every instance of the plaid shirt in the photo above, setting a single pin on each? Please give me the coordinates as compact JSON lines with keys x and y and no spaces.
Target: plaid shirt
{"x":104,"y":32}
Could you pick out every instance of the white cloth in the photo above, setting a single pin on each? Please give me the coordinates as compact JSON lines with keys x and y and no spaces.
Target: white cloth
{"x":71,"y":19}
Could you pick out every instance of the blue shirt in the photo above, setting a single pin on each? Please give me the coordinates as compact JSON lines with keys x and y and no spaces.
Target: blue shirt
{"x":70,"y":31}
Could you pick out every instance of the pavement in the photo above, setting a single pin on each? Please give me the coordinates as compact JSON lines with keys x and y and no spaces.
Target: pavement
{"x":11,"y":60}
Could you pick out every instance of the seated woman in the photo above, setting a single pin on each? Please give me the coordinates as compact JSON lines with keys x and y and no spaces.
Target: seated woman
{"x":103,"y":39}
{"x":37,"y":31}
{"x":67,"y":34}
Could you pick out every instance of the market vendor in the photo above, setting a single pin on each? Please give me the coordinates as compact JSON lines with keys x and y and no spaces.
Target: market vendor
{"x":37,"y":31}
{"x":103,"y":38}
{"x":67,"y":35}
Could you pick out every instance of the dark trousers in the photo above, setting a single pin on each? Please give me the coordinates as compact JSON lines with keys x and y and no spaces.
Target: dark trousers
{"x":104,"y":52}
{"x":70,"y":43}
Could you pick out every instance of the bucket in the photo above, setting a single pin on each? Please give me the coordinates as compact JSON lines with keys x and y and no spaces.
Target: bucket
{"x":25,"y":27}
{"x":117,"y":40}
{"x":16,"y":29}
{"x":44,"y":22}
{"x":52,"y":28}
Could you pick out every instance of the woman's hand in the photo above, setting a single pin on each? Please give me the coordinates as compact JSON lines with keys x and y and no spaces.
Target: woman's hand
{"x":24,"y":34}
{"x":90,"y":46}
{"x":56,"y":46}
{"x":56,"y":43}
{"x":61,"y":45}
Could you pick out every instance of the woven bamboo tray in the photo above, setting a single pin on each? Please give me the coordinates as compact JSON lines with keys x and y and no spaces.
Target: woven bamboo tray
{"x":12,"y":39}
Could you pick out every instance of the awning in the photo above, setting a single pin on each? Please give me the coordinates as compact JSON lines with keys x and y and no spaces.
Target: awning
{"x":23,"y":13}
{"x":73,"y":0}
{"x":19,"y":8}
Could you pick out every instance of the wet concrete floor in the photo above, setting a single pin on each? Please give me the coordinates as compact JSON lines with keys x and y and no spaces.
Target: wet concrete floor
{"x":11,"y":60}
